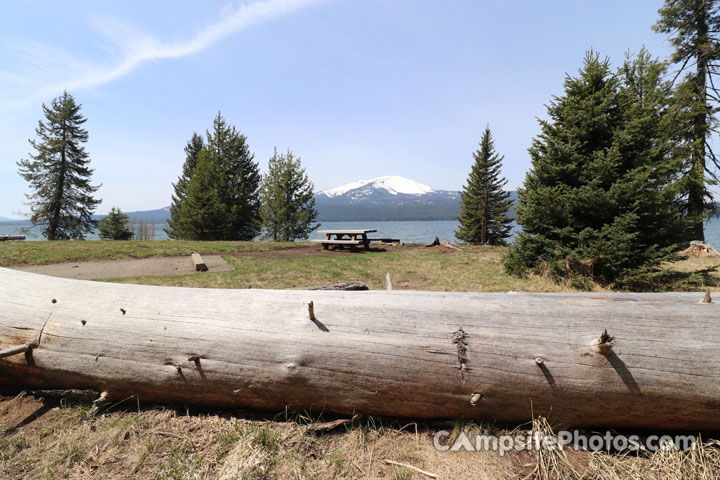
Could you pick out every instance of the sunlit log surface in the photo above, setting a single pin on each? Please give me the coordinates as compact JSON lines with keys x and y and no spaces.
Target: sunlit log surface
{"x":501,"y":356}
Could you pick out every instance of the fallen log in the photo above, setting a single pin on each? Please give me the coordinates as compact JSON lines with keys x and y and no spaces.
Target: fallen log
{"x":434,"y":243}
{"x":447,"y":244}
{"x":347,"y":286}
{"x":699,"y":248}
{"x":618,"y":360}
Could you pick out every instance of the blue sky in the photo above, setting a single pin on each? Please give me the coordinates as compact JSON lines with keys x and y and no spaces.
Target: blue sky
{"x":356,"y":88}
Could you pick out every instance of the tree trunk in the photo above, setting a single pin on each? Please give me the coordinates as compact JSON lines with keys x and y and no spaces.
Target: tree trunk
{"x":697,"y":188}
{"x":399,"y":353}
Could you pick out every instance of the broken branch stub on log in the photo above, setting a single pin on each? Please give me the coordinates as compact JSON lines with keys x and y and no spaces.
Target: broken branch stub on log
{"x":9,"y":352}
{"x":388,"y":282}
{"x":397,"y":353}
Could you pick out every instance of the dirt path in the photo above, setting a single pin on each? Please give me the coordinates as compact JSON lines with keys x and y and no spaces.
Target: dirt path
{"x":155,"y":266}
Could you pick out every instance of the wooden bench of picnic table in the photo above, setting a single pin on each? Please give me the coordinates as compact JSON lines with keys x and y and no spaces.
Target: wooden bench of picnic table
{"x":327,"y":243}
{"x":384,"y":240}
{"x":354,"y":238}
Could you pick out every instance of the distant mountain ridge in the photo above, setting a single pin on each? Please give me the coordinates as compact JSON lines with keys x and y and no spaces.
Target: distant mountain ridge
{"x":158,"y":216}
{"x":388,"y":198}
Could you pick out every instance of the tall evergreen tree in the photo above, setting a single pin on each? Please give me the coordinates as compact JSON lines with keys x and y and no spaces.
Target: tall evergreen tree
{"x":693,"y":26}
{"x":600,"y":200}
{"x":203,"y":215}
{"x":238,"y":179}
{"x":115,"y":226}
{"x":287,"y":199}
{"x":235,"y":180}
{"x":192,"y":149}
{"x":59,"y":173}
{"x":484,"y":205}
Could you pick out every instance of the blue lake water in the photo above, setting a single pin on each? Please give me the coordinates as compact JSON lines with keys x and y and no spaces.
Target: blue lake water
{"x":407,"y":232}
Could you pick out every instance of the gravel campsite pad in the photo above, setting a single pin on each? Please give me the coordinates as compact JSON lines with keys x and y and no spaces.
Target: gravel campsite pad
{"x":155,"y":266}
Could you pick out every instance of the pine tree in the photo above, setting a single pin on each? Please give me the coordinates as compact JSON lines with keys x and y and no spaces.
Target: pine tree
{"x":484,"y":204}
{"x":59,"y":173}
{"x":235,"y":181}
{"x":693,"y":26}
{"x":287,"y":199}
{"x":203,"y":215}
{"x":238,"y":179}
{"x":192,"y":149}
{"x":600,"y":201}
{"x":115,"y":226}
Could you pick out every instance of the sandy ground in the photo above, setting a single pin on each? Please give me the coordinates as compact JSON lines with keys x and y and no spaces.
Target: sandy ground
{"x":155,"y":266}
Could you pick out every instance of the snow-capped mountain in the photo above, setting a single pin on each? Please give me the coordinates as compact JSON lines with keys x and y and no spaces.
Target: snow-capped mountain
{"x":386,"y":198}
{"x":391,"y":184}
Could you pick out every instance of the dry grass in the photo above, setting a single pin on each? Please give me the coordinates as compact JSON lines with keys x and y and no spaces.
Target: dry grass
{"x":412,"y":267}
{"x":160,"y":442}
{"x":700,"y":462}
{"x":50,"y":440}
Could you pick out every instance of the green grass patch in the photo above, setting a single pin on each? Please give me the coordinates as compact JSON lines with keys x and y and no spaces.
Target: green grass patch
{"x":411,"y":267}
{"x":279,"y":265}
{"x":44,"y":252}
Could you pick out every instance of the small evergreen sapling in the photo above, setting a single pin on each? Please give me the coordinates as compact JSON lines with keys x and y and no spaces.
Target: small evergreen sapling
{"x":115,"y":226}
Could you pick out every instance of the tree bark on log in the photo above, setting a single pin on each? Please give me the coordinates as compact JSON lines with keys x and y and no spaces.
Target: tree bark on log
{"x":499,"y":356}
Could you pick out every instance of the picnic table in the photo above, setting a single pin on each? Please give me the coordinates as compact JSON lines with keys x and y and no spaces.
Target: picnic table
{"x":351,"y":238}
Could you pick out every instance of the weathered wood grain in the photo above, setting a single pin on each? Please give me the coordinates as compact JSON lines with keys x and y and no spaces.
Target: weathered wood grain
{"x":401,"y":353}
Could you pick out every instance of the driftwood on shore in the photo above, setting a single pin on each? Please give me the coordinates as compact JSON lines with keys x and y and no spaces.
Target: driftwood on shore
{"x":698,"y":248}
{"x":434,"y":243}
{"x":347,"y":286}
{"x":619,"y":360}
{"x":445,"y":243}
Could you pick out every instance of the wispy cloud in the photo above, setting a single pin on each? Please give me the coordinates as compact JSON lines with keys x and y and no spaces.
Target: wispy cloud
{"x":44,"y":71}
